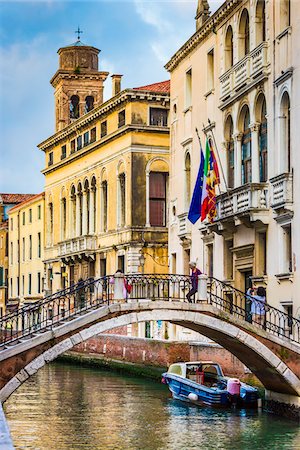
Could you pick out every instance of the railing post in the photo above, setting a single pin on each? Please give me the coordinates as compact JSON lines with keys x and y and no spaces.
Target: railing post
{"x":202,"y":288}
{"x":119,"y":286}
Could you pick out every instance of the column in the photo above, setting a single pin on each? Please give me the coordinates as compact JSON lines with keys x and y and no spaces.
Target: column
{"x":147,"y":199}
{"x":77,"y":215}
{"x":92,"y":211}
{"x":255,"y":153}
{"x":237,"y":159}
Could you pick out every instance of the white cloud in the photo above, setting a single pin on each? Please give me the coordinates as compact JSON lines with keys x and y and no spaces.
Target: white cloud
{"x":25,"y":101}
{"x":151,"y":13}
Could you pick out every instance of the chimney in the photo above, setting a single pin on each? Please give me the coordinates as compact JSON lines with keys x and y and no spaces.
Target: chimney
{"x":116,"y":84}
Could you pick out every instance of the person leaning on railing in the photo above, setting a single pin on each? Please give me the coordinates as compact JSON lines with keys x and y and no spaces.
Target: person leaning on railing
{"x":194,"y":280}
{"x":258,"y":308}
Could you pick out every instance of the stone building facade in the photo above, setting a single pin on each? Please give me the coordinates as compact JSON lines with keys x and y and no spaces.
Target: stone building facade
{"x":26,"y":252}
{"x":7,"y":201}
{"x":106,"y":176}
{"x":237,"y":81}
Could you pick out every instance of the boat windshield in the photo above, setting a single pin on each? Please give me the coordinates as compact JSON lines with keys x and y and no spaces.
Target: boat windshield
{"x":208,"y":369}
{"x":176,"y":369}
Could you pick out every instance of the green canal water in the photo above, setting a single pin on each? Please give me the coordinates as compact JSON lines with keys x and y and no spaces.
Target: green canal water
{"x":64,"y":407}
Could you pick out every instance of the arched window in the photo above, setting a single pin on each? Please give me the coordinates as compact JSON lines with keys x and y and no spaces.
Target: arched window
{"x":74,"y":107}
{"x":285,"y":131}
{"x":230,"y":151}
{"x":158,"y":199}
{"x":50,"y":223}
{"x":187,"y":180}
{"x":122,"y":200}
{"x":73,"y":212}
{"x":229,"y":48}
{"x":104,"y":205}
{"x":79,"y":218}
{"x":86,"y":208}
{"x":244,"y":32}
{"x":89,"y":103}
{"x":246,"y":147}
{"x":93,"y":206}
{"x":263,"y":144}
{"x":260,"y":21}
{"x":63,"y":218}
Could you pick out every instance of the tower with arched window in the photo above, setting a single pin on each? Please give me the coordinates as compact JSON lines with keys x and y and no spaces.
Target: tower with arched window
{"x":78,"y":83}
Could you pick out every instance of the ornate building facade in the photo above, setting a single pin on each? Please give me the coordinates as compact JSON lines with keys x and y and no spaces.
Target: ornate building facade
{"x":237,"y":81}
{"x":26,"y":252}
{"x":7,"y":202}
{"x":106,"y":175}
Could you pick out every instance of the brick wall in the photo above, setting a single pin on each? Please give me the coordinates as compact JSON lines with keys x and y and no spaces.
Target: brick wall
{"x":159,"y":353}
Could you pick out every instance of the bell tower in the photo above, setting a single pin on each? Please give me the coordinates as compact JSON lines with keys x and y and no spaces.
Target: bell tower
{"x":78,"y":84}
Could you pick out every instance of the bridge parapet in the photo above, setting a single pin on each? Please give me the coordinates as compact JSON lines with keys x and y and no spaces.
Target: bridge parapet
{"x":93,"y":293}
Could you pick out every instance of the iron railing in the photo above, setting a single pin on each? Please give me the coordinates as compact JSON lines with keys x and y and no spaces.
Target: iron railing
{"x":91,"y":294}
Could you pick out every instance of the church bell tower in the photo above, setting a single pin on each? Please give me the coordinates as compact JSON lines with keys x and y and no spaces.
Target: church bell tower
{"x":78,"y":84}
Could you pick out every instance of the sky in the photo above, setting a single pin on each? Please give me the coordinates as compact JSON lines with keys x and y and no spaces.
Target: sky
{"x":136,"y":38}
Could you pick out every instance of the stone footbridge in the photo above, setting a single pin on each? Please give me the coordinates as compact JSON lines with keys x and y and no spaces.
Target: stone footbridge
{"x":37,"y":335}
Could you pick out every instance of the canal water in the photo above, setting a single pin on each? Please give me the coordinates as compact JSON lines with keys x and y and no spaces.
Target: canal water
{"x":64,"y":407}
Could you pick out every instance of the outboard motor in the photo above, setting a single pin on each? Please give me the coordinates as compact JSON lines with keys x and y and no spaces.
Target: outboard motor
{"x":234,"y":390}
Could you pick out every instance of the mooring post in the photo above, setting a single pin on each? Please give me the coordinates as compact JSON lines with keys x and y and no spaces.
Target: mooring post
{"x":119,"y":286}
{"x":202,"y":288}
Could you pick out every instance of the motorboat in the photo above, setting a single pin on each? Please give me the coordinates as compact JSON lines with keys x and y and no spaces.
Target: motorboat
{"x":203,"y":382}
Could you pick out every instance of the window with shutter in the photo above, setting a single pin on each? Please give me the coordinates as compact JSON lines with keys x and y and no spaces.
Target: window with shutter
{"x":157,"y":199}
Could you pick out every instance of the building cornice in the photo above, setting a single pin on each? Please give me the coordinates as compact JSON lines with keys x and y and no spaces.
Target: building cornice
{"x":95,"y":145}
{"x":208,"y":27}
{"x":102,"y":110}
{"x":71,"y":75}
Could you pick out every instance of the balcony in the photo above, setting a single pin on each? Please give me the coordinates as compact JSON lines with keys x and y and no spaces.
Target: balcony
{"x":250,"y":70}
{"x":184,"y":226}
{"x":282,"y":192}
{"x":245,"y":204}
{"x":77,"y":246}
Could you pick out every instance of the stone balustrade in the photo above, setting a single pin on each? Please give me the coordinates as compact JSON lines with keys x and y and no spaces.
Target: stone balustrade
{"x":249,"y":197}
{"x":78,"y":244}
{"x":184,"y":225}
{"x":244,"y":72}
{"x":282,"y":191}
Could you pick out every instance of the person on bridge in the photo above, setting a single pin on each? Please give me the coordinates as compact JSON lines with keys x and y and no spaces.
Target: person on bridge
{"x":258,"y":308}
{"x":194,"y":280}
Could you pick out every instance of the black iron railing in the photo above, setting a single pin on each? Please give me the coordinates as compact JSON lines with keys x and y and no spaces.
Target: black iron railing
{"x":91,"y":294}
{"x":245,"y":307}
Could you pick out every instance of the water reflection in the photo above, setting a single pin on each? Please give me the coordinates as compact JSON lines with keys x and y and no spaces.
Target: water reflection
{"x":66,"y":407}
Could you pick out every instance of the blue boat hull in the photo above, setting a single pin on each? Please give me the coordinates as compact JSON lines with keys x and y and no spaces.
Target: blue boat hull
{"x":190,"y":391}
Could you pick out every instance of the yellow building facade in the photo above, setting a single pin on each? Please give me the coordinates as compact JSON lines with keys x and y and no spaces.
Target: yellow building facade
{"x":106,"y":176}
{"x":26,"y":252}
{"x":7,"y":201}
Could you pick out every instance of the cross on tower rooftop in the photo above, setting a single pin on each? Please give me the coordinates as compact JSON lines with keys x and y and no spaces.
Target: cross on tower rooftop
{"x":78,"y":31}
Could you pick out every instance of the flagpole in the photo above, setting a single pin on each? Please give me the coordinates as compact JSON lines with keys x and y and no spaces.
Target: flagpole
{"x":211,"y":130}
{"x":198,"y":138}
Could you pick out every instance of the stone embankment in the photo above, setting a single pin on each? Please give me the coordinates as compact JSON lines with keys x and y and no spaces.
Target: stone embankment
{"x":150,"y":357}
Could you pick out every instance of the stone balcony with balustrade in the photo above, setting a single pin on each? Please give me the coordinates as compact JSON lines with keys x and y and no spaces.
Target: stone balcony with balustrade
{"x":247,"y":72}
{"x":245,"y":204}
{"x":184,"y":227}
{"x":281,"y":193}
{"x":78,"y":247}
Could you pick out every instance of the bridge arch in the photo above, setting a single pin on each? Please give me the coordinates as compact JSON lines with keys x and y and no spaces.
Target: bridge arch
{"x":272,"y":371}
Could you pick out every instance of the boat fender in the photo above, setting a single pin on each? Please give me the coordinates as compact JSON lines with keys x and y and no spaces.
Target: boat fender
{"x":193,"y":397}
